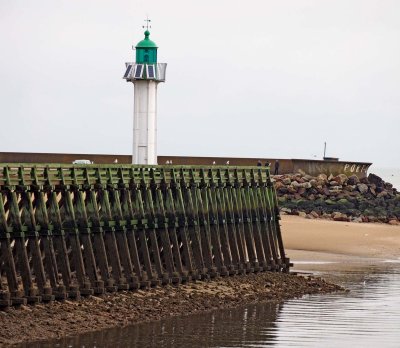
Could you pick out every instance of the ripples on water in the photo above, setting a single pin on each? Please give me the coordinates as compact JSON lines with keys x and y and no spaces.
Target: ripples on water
{"x":367,"y":316}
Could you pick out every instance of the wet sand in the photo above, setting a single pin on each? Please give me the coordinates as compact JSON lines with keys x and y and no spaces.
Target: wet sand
{"x":328,"y":243}
{"x":331,"y":246}
{"x":367,"y":240}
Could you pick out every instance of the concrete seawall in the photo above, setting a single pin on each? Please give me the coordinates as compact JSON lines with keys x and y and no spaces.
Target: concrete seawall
{"x":310,"y":166}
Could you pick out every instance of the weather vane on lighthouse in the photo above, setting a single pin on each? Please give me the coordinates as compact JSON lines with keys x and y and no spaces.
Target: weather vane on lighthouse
{"x":145,"y":74}
{"x":147,"y":25}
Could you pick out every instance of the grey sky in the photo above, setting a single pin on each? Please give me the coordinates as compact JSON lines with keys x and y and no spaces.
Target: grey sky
{"x":251,"y":78}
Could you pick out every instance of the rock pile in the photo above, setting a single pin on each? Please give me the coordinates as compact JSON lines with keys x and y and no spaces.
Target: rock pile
{"x":339,"y":198}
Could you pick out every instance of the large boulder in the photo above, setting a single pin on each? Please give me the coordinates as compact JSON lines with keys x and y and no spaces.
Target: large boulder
{"x":375,"y":179}
{"x":388,"y":186}
{"x":325,"y":191}
{"x":341,"y":179}
{"x":349,"y":188}
{"x":307,"y":177}
{"x":295,"y":184}
{"x":352,"y":212}
{"x":313,"y":182}
{"x":337,"y":216}
{"x":363,"y":188}
{"x":353,"y":180}
{"x":343,"y":201}
{"x":322,"y":177}
{"x":335,"y":190}
{"x":282,"y":199}
{"x":314,"y":214}
{"x":372,"y":218}
{"x":305,"y":185}
{"x":301,"y":190}
{"x":330,"y":202}
{"x":283,"y":190}
{"x":382,"y":194}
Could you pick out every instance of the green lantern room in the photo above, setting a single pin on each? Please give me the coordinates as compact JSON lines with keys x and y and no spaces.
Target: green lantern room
{"x":146,"y":50}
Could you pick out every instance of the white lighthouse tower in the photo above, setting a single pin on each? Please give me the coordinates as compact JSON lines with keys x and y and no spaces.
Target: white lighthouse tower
{"x":146,"y":73}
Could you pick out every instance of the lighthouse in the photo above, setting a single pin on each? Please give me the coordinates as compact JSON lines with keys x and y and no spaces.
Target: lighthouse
{"x":145,"y":74}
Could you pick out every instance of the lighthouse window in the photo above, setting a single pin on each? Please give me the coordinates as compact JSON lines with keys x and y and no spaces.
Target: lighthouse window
{"x":150,"y":71}
{"x":128,"y":70}
{"x":139,"y":71}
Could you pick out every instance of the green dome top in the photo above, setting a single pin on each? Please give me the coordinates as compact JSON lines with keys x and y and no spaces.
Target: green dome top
{"x":146,"y":43}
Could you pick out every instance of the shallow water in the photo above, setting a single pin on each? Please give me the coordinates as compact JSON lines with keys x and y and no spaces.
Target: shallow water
{"x":367,"y":316}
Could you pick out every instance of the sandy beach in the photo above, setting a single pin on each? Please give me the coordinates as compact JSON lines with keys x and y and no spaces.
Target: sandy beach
{"x":330,"y":246}
{"x":368,"y":240}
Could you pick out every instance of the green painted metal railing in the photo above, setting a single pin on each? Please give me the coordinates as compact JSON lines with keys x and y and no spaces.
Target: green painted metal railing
{"x":67,"y":231}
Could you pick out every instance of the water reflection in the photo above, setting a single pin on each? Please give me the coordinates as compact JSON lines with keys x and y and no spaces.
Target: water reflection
{"x":237,"y":328}
{"x":367,"y":316}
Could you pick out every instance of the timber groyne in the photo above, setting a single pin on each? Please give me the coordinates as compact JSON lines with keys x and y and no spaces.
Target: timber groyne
{"x":67,"y":231}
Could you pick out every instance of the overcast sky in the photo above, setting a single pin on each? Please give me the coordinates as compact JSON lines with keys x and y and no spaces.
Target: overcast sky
{"x":255,"y":78}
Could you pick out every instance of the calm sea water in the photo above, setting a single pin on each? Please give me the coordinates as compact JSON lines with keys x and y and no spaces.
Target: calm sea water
{"x":367,"y":316}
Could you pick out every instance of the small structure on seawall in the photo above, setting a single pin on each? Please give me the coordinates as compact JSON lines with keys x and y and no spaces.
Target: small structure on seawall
{"x":331,"y":167}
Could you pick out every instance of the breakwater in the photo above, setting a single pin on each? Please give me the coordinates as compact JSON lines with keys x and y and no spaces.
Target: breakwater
{"x":340,"y":197}
{"x":67,"y":231}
